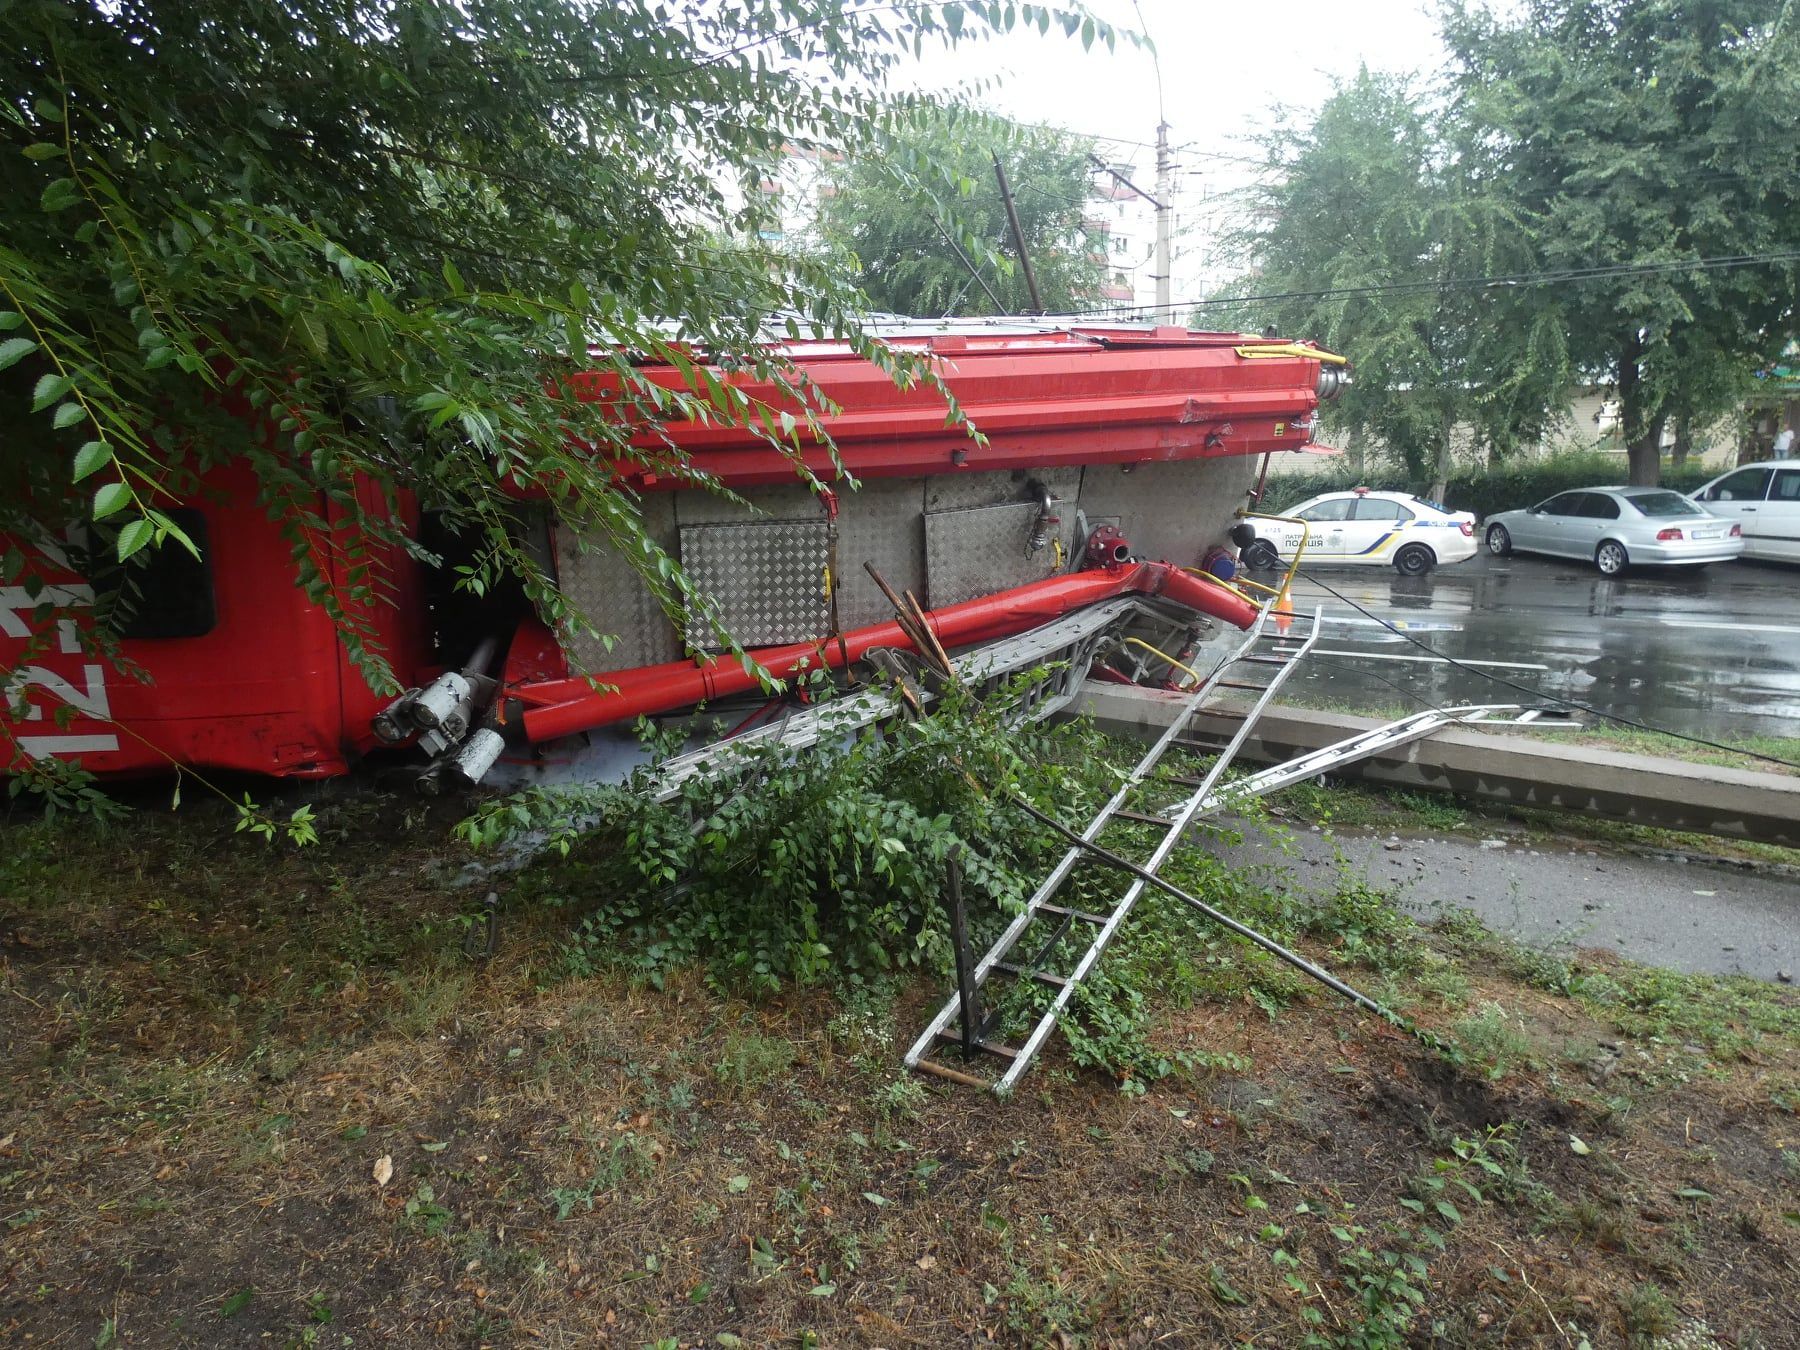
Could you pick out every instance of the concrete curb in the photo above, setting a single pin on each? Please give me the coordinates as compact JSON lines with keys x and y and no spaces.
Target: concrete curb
{"x":1516,"y":769}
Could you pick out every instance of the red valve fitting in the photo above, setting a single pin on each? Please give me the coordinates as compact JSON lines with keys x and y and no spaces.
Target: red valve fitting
{"x":1106,"y":547}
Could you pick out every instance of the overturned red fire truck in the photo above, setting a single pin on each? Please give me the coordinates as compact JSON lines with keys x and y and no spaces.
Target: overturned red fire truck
{"x":1111,"y":460}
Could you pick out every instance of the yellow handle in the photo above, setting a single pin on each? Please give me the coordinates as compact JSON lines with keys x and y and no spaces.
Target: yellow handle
{"x":1294,"y":349}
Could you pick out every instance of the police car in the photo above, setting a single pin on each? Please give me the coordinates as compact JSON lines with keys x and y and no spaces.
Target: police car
{"x":1361,"y":527}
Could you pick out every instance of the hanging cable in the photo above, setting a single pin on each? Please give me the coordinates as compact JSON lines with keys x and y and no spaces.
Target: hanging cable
{"x":1498,"y":281}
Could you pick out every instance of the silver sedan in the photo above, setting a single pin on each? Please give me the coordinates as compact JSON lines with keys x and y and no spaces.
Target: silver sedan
{"x":1614,"y":527}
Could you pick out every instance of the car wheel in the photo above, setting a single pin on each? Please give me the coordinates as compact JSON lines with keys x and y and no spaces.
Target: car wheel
{"x":1611,"y":559}
{"x":1499,"y":542}
{"x":1262,"y":557}
{"x":1415,"y":560}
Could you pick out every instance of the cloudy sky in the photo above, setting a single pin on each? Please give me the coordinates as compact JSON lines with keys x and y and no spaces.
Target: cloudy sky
{"x":1228,"y":71}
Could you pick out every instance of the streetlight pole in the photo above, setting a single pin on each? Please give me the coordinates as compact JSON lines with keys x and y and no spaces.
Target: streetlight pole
{"x":1164,"y":225}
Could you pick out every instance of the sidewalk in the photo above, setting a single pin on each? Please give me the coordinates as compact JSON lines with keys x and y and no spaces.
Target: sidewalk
{"x":1702,"y":917}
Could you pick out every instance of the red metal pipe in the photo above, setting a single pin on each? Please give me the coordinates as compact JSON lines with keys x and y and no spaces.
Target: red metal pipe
{"x":563,"y":707}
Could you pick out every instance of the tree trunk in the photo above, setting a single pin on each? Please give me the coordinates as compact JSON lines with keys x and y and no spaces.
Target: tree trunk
{"x":1440,"y":479}
{"x":1643,"y":441}
{"x":1684,"y":440}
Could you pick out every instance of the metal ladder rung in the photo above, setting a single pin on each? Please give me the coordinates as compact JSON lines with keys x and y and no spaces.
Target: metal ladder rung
{"x":994,"y":1048}
{"x":1185,"y":780}
{"x":1142,"y":818}
{"x":1041,"y":976}
{"x":1080,"y":914}
{"x":1240,"y":684}
{"x":1210,"y":747}
{"x":1277,"y":660}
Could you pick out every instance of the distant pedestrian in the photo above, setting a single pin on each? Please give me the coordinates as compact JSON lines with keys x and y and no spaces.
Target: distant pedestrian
{"x":1784,"y":443}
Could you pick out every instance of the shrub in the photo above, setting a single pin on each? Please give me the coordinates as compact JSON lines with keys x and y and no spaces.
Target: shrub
{"x":804,"y":865}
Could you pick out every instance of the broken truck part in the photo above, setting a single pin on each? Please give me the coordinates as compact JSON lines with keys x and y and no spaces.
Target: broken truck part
{"x":1099,"y":462}
{"x":1030,"y":945}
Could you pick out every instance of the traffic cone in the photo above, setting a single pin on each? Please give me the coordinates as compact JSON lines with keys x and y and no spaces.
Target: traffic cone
{"x":1284,"y":607}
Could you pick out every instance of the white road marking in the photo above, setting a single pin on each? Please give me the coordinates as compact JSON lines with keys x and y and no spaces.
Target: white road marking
{"x":1428,"y":626}
{"x":1429,"y":660}
{"x":1730,"y":627}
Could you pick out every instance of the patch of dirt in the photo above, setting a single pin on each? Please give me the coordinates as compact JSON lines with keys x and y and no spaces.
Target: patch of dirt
{"x":212,"y":1046}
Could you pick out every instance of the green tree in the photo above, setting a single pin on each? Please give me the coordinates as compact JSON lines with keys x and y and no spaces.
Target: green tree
{"x":902,"y":209}
{"x":1645,"y":142}
{"x":1367,"y":236}
{"x":349,"y":240}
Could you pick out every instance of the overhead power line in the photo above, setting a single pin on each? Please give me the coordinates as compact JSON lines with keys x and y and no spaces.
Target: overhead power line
{"x":1598,"y":273}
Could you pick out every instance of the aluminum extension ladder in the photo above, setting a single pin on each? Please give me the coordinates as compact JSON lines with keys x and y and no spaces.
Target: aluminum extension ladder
{"x":1260,"y":652}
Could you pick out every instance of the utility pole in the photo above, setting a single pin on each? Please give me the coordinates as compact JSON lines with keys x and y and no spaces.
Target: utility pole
{"x":1018,"y":234}
{"x":1164,"y":225}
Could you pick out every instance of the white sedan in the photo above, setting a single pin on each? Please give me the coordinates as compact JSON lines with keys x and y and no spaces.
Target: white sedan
{"x":1363,"y":527}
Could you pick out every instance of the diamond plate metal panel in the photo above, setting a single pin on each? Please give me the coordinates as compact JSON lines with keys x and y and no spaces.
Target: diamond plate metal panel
{"x":1171,"y":511}
{"x":603,"y":586}
{"x":978,"y":551}
{"x":879,"y":524}
{"x":957,"y":491}
{"x":767,"y":579}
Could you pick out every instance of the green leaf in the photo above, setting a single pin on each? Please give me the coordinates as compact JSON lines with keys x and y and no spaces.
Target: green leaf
{"x":59,"y":196}
{"x":13,"y":350}
{"x":67,"y":415}
{"x":167,"y":529}
{"x":49,"y":388}
{"x":42,"y":150}
{"x":875,"y":1199}
{"x":234,"y":1305}
{"x":1577,"y":1147}
{"x":110,"y":500}
{"x":91,"y":458}
{"x":134,"y":536}
{"x":738,"y":1184}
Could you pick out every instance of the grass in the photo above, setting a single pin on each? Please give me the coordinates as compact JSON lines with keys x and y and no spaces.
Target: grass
{"x":214,"y":1045}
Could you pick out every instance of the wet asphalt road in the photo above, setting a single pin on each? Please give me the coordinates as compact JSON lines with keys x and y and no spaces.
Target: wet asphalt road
{"x":1713,"y":653}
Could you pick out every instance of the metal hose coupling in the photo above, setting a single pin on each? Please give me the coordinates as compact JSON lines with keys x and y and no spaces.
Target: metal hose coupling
{"x":1106,"y":547}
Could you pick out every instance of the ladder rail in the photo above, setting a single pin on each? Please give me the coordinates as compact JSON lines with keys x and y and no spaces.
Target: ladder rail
{"x":1387,"y":736}
{"x":1190,"y":810}
{"x":1003,"y":945}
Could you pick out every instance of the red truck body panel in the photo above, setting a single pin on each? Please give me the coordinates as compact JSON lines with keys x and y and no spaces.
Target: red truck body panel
{"x":1086,"y":395}
{"x":269,"y":688}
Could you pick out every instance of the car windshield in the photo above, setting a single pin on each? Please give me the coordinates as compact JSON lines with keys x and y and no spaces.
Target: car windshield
{"x":1657,"y":504}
